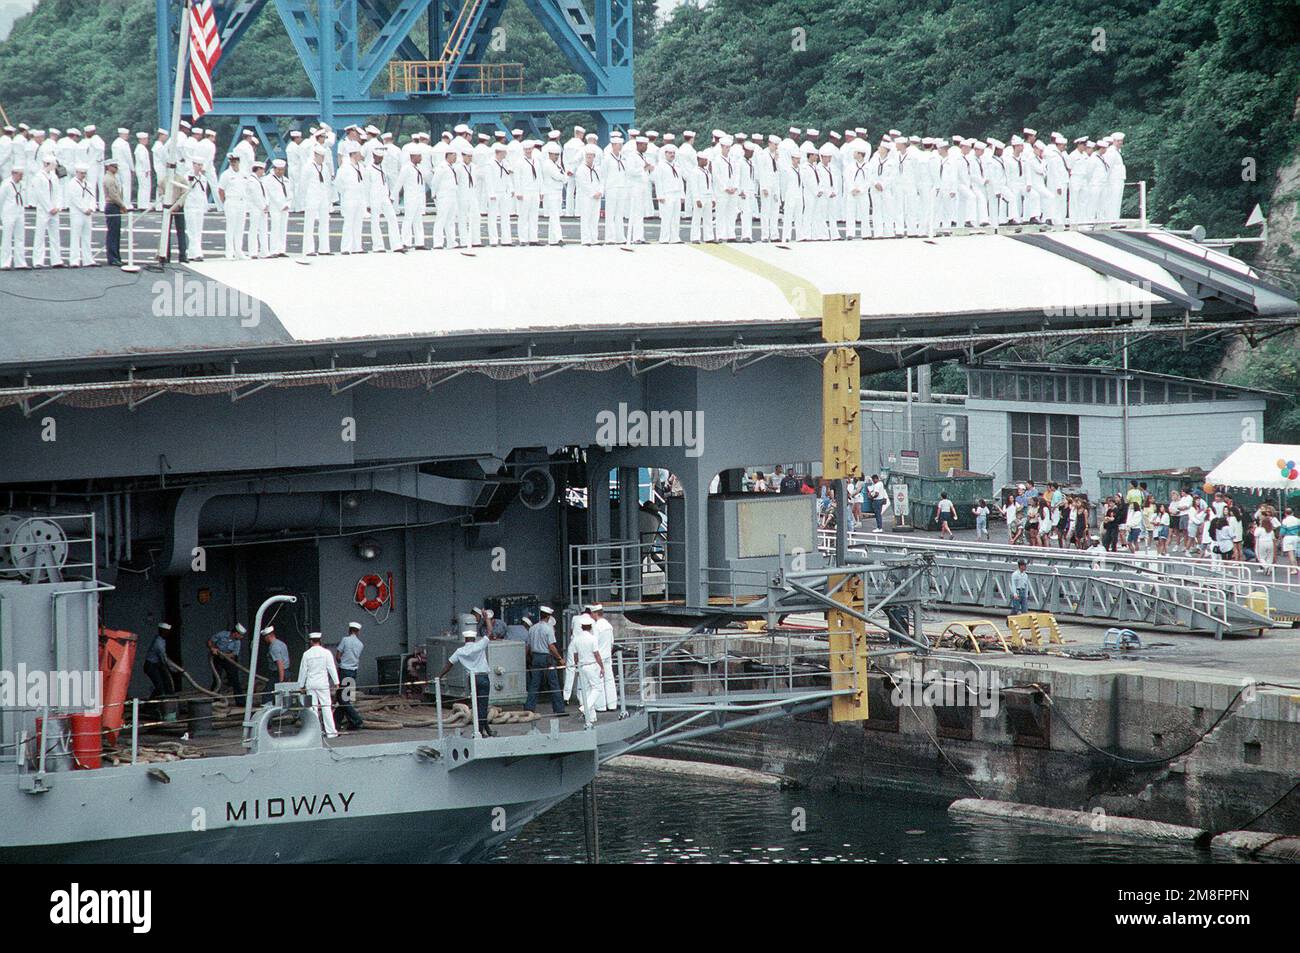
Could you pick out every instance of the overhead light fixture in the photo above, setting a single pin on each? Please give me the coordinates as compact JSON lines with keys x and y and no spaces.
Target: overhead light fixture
{"x":368,"y":550}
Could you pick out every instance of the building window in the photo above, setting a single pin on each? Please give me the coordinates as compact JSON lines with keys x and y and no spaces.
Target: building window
{"x":1045,"y":448}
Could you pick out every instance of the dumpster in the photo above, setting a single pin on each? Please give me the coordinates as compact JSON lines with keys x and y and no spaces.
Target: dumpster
{"x":964,"y":488}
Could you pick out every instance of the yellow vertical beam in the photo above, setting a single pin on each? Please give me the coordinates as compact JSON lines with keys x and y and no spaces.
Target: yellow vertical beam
{"x":842,"y":460}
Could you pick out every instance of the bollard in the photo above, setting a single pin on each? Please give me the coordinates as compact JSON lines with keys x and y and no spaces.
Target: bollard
{"x":131,"y":267}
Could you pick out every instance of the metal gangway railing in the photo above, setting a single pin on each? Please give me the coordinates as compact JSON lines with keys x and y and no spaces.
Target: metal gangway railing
{"x":700,"y":682}
{"x":654,"y":571}
{"x":1199,"y":595}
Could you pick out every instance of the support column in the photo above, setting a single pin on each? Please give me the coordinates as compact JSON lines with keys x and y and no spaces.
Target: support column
{"x":629,"y":511}
{"x":598,"y":520}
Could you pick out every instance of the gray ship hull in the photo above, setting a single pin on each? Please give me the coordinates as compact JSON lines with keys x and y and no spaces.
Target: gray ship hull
{"x":397,"y":803}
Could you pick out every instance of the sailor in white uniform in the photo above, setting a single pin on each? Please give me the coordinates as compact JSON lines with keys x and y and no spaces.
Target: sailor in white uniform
{"x":445,"y":187}
{"x":700,"y":196}
{"x":586,"y":660}
{"x":318,"y":675}
{"x":670,"y":187}
{"x":233,"y":190}
{"x":590,"y":189}
{"x":82,"y":205}
{"x":414,"y":188}
{"x":353,"y":194}
{"x":570,"y":159}
{"x":317,"y":196}
{"x":121,"y":151}
{"x":279,"y":193}
{"x":381,"y":204}
{"x":257,"y":206}
{"x":13,"y":220}
{"x":607,"y":698}
{"x":198,"y":198}
{"x":528,"y":193}
{"x":500,"y":195}
{"x":554,"y":183}
{"x":47,"y":191}
{"x":143,"y":172}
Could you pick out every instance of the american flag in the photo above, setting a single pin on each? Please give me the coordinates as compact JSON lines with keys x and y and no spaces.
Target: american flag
{"x":205,"y":50}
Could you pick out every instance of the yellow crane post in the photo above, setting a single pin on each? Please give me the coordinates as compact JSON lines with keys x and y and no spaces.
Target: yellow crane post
{"x":842,"y":460}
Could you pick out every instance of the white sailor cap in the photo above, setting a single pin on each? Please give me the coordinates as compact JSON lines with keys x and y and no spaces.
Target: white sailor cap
{"x":74,"y":131}
{"x":295,"y":133}
{"x":91,"y":127}
{"x":268,"y":630}
{"x":688,"y":133}
{"x":259,"y":164}
{"x":577,"y":130}
{"x":1105,"y":142}
{"x":859,"y":147}
{"x":354,"y":626}
{"x":773,"y":138}
{"x":895,"y":133}
{"x":1080,"y":139}
{"x":239,"y":627}
{"x":808,"y":149}
{"x":997,"y":143}
{"x":669,"y":147}
{"x":590,"y":137}
{"x":386,"y":135}
{"x":372,"y":130}
{"x":164,"y":626}
{"x":197,"y":131}
{"x":313,"y":636}
{"x":850,"y":133}
{"x":138,"y":135}
{"x":1016,"y":140}
{"x":669,"y":137}
{"x":553,"y":134}
{"x":942,"y":143}
{"x":749,"y":145}
{"x":1057,"y":137}
{"x":591,"y":150}
{"x":979,"y":145}
{"x":1029,"y":132}
{"x":794,"y":131}
{"x":484,"y":137}
{"x":516,"y":133}
{"x":860,"y":130}
{"x":233,"y":155}
{"x":585,"y":621}
{"x":1090,"y":144}
{"x":827,"y":150}
{"x":462,"y":128}
{"x":1117,"y":137}
{"x":834,"y":135}
{"x":499,"y":133}
{"x":652,"y":133}
{"x":500,"y":147}
{"x":10,"y":129}
{"x":726,"y":141}
{"x":812,"y":133}
{"x":615,"y":137}
{"x":51,"y":160}
{"x":546,"y":610}
{"x":633,"y":132}
{"x":122,"y":131}
{"x":552,"y":148}
{"x":162,"y":132}
{"x":914,"y":140}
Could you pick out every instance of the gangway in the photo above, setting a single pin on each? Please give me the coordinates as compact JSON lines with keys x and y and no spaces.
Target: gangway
{"x":1191,"y":594}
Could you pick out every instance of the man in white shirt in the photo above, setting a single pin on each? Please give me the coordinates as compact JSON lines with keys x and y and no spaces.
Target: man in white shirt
{"x":589,"y":665}
{"x":318,"y":675}
{"x":607,"y":697}
{"x":472,"y":656}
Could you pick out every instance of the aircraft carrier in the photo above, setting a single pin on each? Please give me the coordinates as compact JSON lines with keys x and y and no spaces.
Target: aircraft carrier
{"x":185,"y":444}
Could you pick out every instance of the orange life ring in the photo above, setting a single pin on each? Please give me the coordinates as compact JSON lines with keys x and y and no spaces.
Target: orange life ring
{"x":364,"y":599}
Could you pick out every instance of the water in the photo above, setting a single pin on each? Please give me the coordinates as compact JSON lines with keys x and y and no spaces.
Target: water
{"x":646,"y":817}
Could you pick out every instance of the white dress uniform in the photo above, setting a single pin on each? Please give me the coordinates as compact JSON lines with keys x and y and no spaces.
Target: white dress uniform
{"x":638,"y":178}
{"x":121,"y":151}
{"x":828,"y":204}
{"x":554,"y":183}
{"x":257,"y":206}
{"x":279,"y":195}
{"x":1057,"y":182}
{"x":907,"y":197}
{"x":381,"y":208}
{"x":700,"y":197}
{"x":6,"y":156}
{"x":233,"y":186}
{"x":414,"y":187}
{"x":528,"y":195}
{"x":317,"y":196}
{"x":143,"y":176}
{"x":13,"y":225}
{"x":767,"y":179}
{"x":1038,"y":199}
{"x":618,"y":190}
{"x":1091,"y":172}
{"x":792,"y":190}
{"x":1017,"y":183}
{"x":82,"y":205}
{"x":570,"y":159}
{"x":670,"y":187}
{"x":207,"y":152}
{"x":196,"y":203}
{"x":95,"y":150}
{"x":950,"y":194}
{"x":607,"y":697}
{"x":159,"y":151}
{"x":392,"y":167}
{"x":857,"y":188}
{"x":317,"y":675}
{"x":294,"y":157}
{"x":726,"y":191}
{"x":584,"y":649}
{"x":1115,"y":174}
{"x":500,"y":188}
{"x":482,"y":160}
{"x":47,"y":192}
{"x":966,"y":204}
{"x":884,"y":213}
{"x":470,"y":221}
{"x":446,"y":196}
{"x":590,"y":187}
{"x":353,"y":192}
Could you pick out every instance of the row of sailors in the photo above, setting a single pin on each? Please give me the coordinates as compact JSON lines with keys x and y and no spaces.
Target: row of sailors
{"x":137,"y":158}
{"x":794,"y":188}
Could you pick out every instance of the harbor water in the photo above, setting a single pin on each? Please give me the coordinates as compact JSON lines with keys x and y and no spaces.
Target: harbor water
{"x":648,"y":817}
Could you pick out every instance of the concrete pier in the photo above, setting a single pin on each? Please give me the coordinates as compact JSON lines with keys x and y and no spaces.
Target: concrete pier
{"x":1185,"y":731}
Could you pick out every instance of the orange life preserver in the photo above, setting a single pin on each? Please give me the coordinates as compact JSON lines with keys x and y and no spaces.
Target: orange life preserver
{"x":364,"y":599}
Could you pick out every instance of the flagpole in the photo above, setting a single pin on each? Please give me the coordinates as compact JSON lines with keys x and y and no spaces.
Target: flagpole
{"x":170,"y":192}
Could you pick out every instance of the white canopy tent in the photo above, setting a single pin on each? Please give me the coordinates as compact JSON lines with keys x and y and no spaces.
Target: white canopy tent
{"x":1259,"y":466}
